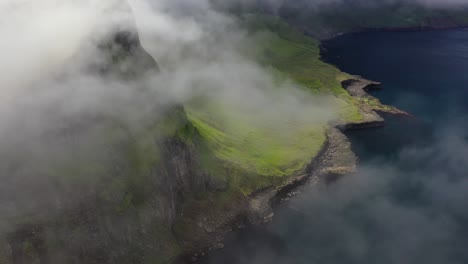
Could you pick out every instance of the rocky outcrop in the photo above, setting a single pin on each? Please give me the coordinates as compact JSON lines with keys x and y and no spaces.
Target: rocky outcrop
{"x":359,"y":87}
{"x":369,"y":106}
{"x":123,"y":56}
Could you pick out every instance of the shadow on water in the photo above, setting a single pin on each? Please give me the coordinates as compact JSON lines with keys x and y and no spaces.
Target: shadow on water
{"x":386,"y":142}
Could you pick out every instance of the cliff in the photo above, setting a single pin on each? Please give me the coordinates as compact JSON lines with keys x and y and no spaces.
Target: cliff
{"x":112,"y":186}
{"x":95,"y":187}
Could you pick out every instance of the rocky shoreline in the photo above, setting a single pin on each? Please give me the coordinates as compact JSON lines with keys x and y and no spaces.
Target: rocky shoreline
{"x":335,"y":160}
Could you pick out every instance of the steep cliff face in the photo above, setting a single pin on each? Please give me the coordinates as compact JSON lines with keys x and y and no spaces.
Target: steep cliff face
{"x":114,"y":189}
{"x":126,"y":214}
{"x":124,"y":55}
{"x":126,"y":218}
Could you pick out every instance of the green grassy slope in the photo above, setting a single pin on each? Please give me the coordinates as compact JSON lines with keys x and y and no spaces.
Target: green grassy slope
{"x":298,"y":57}
{"x":272,"y":151}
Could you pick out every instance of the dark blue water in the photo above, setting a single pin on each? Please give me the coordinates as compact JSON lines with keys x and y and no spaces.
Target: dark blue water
{"x":408,"y":201}
{"x":425,"y":73}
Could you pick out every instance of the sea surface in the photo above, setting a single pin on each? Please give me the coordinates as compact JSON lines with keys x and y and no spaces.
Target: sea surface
{"x":408,"y":201}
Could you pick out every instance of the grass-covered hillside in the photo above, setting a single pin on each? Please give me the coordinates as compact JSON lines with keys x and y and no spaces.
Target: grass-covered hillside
{"x":271,"y":151}
{"x":249,"y":148}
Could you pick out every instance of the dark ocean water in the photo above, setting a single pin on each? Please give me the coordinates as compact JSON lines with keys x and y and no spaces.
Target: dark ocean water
{"x":425,"y":73}
{"x":408,"y":202}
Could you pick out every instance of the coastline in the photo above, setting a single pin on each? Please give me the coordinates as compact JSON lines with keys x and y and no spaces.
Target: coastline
{"x":181,"y":172}
{"x":289,"y":228}
{"x":336,"y":157}
{"x":335,"y":160}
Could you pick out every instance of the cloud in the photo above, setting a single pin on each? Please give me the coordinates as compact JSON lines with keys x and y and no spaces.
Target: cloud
{"x":56,"y":112}
{"x":51,"y":109}
{"x":371,"y":2}
{"x":408,"y":210}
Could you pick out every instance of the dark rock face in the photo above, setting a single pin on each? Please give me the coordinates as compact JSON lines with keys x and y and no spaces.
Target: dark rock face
{"x":19,"y":239}
{"x":379,"y":122}
{"x":180,"y":178}
{"x":360,"y":87}
{"x":127,"y":214}
{"x":369,"y":106}
{"x":96,"y":229}
{"x":124,"y":56}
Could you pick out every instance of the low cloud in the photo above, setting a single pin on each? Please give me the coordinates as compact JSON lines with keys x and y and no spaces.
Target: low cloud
{"x":408,"y":210}
{"x":55,"y":111}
